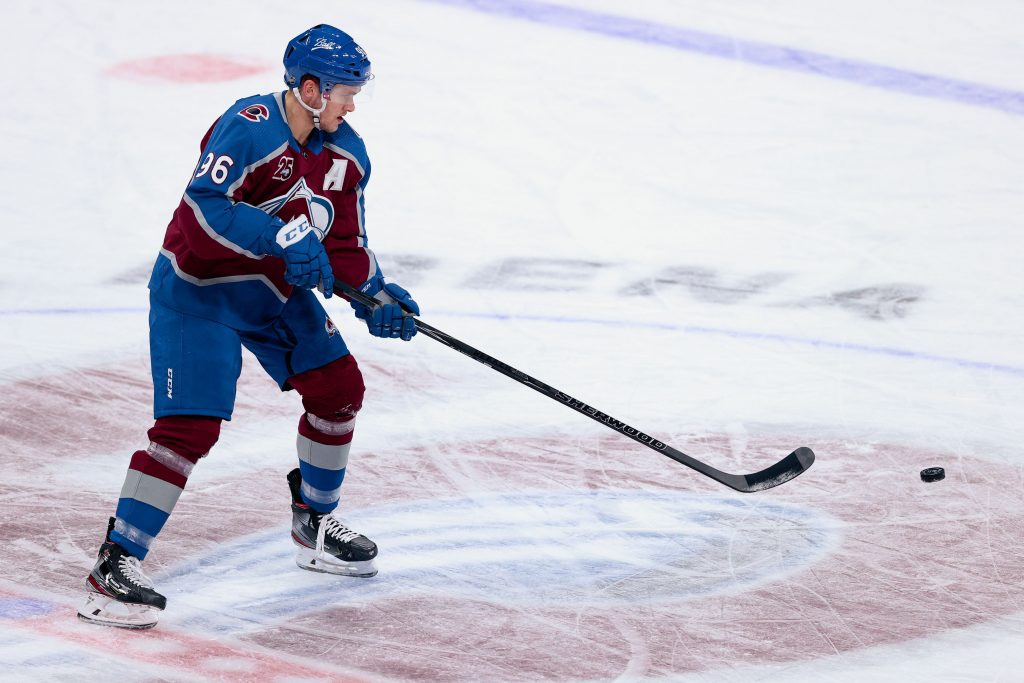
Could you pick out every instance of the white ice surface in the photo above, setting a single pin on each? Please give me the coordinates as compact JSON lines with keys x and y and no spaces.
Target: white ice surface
{"x":773,"y":197}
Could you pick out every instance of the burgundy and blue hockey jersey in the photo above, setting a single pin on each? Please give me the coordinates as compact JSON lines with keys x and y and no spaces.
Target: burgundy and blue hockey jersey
{"x":252,"y":170}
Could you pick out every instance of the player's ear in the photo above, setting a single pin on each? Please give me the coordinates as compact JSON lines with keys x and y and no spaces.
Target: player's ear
{"x":310,"y":89}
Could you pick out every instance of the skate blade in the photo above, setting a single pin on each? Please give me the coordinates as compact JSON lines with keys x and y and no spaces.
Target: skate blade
{"x":307,"y":559}
{"x":105,"y":611}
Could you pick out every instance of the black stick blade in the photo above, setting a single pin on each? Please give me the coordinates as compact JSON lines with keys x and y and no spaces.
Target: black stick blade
{"x":790,"y":467}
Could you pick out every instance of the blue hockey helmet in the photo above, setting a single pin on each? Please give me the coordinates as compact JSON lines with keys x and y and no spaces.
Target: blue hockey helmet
{"x":327,"y":53}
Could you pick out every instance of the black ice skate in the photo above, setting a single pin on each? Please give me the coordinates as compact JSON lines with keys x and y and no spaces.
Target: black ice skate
{"x":120,"y":594}
{"x":325,"y":544}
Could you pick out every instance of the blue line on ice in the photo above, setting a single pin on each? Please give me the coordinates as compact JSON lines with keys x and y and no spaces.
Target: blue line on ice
{"x":686,"y":329}
{"x":765,"y":336}
{"x":753,"y":52}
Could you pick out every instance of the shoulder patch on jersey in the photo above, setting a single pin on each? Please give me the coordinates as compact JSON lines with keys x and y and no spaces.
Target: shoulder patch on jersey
{"x":255,"y":113}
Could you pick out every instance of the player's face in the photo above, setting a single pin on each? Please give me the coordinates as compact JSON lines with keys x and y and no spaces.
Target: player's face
{"x":340,"y":102}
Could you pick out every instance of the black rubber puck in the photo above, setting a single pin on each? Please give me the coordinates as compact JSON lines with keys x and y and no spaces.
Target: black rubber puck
{"x":933,"y":474}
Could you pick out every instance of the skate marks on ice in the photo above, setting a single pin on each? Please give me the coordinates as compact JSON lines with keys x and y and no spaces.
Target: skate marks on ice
{"x":571,"y":548}
{"x":567,"y":557}
{"x":38,"y":641}
{"x":621,"y":563}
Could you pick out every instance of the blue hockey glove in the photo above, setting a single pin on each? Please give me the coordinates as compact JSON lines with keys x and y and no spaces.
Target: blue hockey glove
{"x":305,"y":260}
{"x":392,"y":317}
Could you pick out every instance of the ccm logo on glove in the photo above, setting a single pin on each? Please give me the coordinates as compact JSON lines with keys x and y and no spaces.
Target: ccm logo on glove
{"x":294,"y":231}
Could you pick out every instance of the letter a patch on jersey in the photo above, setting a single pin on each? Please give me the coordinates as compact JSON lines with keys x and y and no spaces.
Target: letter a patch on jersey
{"x":335,"y":178}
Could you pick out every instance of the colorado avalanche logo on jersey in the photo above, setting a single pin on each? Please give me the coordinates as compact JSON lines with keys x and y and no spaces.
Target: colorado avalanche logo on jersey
{"x":300,"y":200}
{"x":255,"y":113}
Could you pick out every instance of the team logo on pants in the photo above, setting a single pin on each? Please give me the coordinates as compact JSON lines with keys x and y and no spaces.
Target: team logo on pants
{"x":331,"y":328}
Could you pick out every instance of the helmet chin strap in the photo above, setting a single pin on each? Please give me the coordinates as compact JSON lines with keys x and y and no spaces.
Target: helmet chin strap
{"x":315,"y":112}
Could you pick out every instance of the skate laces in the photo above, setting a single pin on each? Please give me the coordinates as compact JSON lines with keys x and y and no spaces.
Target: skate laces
{"x":329,"y":524}
{"x":132,"y":570}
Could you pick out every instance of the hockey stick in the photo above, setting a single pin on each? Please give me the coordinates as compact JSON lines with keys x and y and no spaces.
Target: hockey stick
{"x":789,"y":467}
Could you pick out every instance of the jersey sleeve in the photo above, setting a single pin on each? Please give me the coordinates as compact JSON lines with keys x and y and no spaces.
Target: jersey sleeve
{"x":354,"y":265}
{"x":229,"y":152}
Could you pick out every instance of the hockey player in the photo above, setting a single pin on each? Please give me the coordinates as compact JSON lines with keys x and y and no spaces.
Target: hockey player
{"x":274,"y":209}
